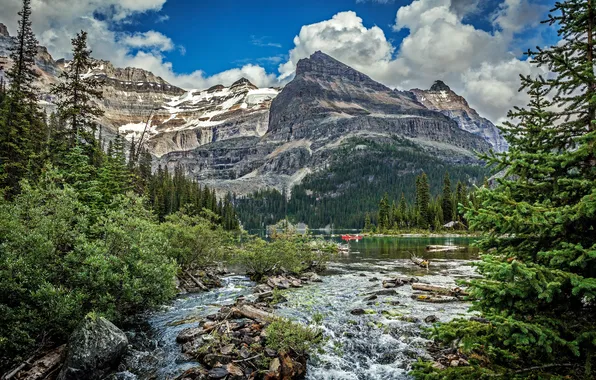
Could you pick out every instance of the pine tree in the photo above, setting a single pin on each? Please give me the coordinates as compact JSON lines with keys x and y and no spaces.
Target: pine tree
{"x":383,"y":221}
{"x":19,"y":116}
{"x":537,"y":297}
{"x":367,"y":223}
{"x":447,"y":199}
{"x":422,"y":201}
{"x":403,"y":211}
{"x":77,"y":94}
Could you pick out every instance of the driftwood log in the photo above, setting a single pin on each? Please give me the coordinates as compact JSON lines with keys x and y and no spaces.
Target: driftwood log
{"x":439,"y":289}
{"x":443,"y":248}
{"x":434,"y":298}
{"x":423,"y":263}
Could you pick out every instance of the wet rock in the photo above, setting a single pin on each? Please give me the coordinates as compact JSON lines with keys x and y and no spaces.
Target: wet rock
{"x":385,"y":292}
{"x":312,"y":277}
{"x":122,"y":376}
{"x":94,"y":349}
{"x":358,"y":312}
{"x":262,"y":288}
{"x":389,"y":284}
{"x":213,"y":359}
{"x":362,"y":274}
{"x":371,"y":298}
{"x":431,"y":319}
{"x":393,"y":303}
{"x":218,"y":373}
{"x":278,"y":282}
{"x":189,"y":334}
{"x":374,"y":279}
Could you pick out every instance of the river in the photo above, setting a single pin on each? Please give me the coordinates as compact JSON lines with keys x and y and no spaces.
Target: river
{"x":381,"y":344}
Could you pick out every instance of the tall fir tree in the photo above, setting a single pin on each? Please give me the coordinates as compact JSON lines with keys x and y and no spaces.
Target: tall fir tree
{"x":78,"y":94}
{"x":447,"y":199}
{"x":422,"y":201}
{"x":537,"y":297}
{"x":19,"y":119}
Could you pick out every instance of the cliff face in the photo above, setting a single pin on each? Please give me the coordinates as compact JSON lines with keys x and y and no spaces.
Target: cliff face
{"x":326,"y":106}
{"x":441,"y":98}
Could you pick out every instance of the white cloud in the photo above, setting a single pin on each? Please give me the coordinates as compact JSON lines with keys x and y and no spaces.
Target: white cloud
{"x":477,"y":64}
{"x":162,"y":18}
{"x":343,"y":37}
{"x":150,"y":39}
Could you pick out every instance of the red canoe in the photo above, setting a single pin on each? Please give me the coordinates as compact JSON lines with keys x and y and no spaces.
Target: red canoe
{"x":351,"y":237}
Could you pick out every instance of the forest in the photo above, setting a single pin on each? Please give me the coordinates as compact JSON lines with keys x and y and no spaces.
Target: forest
{"x":343,"y":194}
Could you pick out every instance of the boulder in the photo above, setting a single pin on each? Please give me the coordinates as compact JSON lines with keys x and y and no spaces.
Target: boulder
{"x":94,"y":349}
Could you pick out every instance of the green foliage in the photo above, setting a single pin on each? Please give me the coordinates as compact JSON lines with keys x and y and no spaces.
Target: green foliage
{"x":538,"y":290}
{"x":360,"y":173}
{"x":286,"y":252}
{"x":286,"y":336}
{"x":195,"y":241}
{"x":57,"y":263}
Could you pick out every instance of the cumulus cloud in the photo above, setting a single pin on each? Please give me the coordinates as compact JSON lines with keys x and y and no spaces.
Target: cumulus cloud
{"x":477,"y":64}
{"x":150,"y":39}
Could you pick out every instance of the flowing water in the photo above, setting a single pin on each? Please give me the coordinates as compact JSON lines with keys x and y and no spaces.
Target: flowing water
{"x":382,"y":344}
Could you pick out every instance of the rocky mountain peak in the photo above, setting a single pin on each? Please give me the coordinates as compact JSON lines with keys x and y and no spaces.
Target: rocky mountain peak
{"x":244,"y":83}
{"x":4,"y":30}
{"x":439,"y":85}
{"x":322,"y":65}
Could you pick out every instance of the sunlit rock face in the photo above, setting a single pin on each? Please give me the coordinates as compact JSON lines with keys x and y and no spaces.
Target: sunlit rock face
{"x":441,"y":98}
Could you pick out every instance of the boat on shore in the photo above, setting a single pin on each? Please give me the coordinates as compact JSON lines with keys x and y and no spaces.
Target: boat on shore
{"x":351,"y":237}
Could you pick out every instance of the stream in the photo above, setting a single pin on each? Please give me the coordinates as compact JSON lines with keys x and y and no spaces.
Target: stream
{"x":382,"y":344}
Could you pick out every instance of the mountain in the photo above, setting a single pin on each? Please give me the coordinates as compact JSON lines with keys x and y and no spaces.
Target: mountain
{"x":441,"y":98}
{"x":333,"y":138}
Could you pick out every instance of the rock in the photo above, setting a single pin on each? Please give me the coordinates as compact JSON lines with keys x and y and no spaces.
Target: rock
{"x":189,"y":334}
{"x":122,"y":376}
{"x":454,"y":363}
{"x":275,"y":365}
{"x":233,"y":369}
{"x":479,"y":320}
{"x":362,"y":274}
{"x":270,"y":352}
{"x":278,"y":282}
{"x":371,"y":298}
{"x":389,"y":284}
{"x":226,"y":350}
{"x":94,"y":349}
{"x":213,"y":359}
{"x":431,"y":319}
{"x":218,"y":373}
{"x":358,"y":312}
{"x":374,"y":279}
{"x":386,"y":292}
{"x":262,"y":288}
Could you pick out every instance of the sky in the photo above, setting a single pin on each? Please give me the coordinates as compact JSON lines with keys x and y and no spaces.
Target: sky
{"x":475,"y":46}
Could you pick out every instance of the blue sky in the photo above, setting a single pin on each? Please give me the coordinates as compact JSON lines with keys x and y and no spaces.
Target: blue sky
{"x":475,"y":46}
{"x":221,"y":34}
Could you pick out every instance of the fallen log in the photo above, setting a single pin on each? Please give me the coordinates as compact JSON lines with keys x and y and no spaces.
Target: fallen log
{"x":439,"y":289}
{"x":434,"y":298}
{"x":253,"y":313}
{"x":196,"y":281}
{"x":419,"y":261}
{"x":41,"y":368}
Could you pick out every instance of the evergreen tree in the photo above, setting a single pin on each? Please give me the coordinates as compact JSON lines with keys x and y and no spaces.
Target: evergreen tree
{"x":447,"y":200}
{"x":422,"y":201}
{"x":537,"y":296}
{"x":19,"y":118}
{"x":367,"y":223}
{"x":403,"y":210}
{"x":383,"y":221}
{"x":77,"y":93}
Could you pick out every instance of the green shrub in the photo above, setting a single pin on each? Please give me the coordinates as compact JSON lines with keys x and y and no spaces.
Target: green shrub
{"x":57,"y":263}
{"x":285,"y":335}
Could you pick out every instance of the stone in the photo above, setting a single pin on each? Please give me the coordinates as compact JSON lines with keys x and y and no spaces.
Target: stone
{"x":94,"y":349}
{"x":270,"y":352}
{"x":431,"y":319}
{"x":189,"y":334}
{"x":226,"y":350}
{"x":386,"y":292}
{"x":275,"y":365}
{"x":371,"y":298}
{"x":218,"y":373}
{"x":213,"y":359}
{"x":358,"y":312}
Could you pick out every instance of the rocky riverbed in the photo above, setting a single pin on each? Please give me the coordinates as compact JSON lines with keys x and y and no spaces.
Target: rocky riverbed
{"x":371,"y":331}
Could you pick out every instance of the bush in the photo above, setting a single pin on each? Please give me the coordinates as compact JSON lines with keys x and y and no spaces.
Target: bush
{"x":285,"y":253}
{"x":57,"y":263}
{"x":195,"y":242}
{"x":285,"y":335}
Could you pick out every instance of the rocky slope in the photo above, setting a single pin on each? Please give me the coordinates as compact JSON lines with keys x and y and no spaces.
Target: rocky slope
{"x":317,"y":115}
{"x":441,"y":98}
